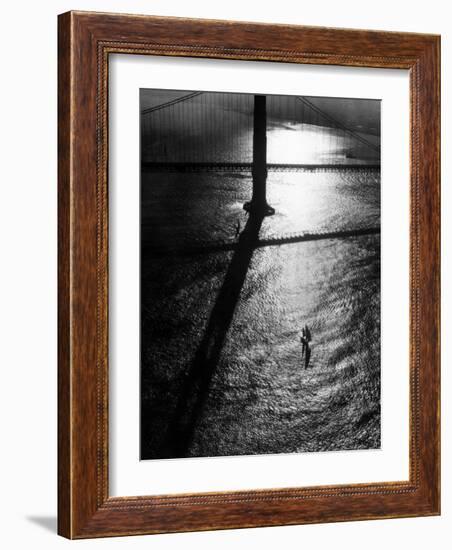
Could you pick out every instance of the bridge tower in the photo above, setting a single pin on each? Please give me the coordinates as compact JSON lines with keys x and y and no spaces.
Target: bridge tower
{"x":258,"y":203}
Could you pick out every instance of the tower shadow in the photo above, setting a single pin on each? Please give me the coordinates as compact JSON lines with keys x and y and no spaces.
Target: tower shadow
{"x":197,"y":382}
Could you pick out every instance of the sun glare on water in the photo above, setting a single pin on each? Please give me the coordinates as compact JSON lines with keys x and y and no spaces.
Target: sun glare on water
{"x":303,"y":144}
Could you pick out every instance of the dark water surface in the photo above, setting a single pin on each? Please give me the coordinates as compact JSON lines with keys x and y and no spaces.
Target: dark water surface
{"x":222,"y":372}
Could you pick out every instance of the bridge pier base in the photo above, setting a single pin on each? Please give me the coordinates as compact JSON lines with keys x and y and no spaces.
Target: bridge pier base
{"x":259,"y":209}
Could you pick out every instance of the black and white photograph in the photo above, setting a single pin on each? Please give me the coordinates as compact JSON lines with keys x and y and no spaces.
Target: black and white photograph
{"x":259,"y":274}
{"x":224,"y":235}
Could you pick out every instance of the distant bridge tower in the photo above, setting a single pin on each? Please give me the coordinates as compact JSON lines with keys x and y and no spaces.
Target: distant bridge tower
{"x":258,"y":203}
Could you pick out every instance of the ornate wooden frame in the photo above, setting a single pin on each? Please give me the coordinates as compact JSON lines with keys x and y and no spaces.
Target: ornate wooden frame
{"x":85,"y":42}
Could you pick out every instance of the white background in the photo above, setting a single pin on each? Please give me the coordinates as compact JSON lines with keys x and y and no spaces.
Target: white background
{"x":28,"y":271}
{"x":128,"y":475}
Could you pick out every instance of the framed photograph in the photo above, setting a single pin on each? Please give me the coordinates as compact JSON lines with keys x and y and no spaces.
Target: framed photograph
{"x":248,"y":275}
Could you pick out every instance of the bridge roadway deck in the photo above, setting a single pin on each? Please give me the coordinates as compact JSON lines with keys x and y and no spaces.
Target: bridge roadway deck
{"x":247,"y":167}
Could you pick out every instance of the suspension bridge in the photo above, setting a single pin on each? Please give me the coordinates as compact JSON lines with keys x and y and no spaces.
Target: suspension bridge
{"x":252,"y":134}
{"x":207,"y":131}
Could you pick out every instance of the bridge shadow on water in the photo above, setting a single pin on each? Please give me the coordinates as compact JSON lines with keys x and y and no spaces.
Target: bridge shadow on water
{"x":196,"y":385}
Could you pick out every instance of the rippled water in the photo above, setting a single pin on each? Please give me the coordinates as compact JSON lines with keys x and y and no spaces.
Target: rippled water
{"x":201,"y":208}
{"x":221,"y":356}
